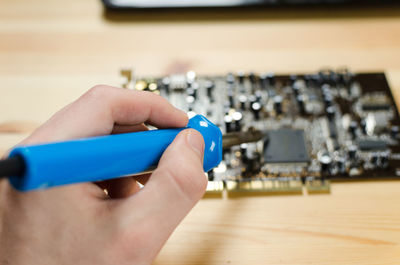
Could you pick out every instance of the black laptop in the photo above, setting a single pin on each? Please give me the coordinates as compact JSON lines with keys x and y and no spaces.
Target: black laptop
{"x":160,"y":4}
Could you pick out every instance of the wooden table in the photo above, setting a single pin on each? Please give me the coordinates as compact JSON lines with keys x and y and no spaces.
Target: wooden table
{"x":52,"y":51}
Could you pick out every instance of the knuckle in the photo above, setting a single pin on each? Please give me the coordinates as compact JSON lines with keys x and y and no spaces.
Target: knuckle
{"x":99,"y":98}
{"x":150,"y":95}
{"x":98,"y":92}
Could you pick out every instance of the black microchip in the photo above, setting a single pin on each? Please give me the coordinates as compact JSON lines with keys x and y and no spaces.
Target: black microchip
{"x":375,"y":107}
{"x":370,"y":145}
{"x":286,"y":146}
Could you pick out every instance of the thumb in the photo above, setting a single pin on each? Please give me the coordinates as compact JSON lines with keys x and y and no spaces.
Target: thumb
{"x":180,"y":171}
{"x":172,"y":190}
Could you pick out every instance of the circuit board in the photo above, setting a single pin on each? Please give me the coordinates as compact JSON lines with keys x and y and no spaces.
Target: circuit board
{"x":332,"y":125}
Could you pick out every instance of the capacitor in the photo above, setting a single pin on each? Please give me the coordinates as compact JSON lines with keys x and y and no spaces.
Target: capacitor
{"x":228,"y":123}
{"x":354,"y":169}
{"x":310,"y":81}
{"x":296,"y":89}
{"x":271,"y":92}
{"x":394,"y":131}
{"x":375,"y":159}
{"x":231,"y":99}
{"x":242,"y":100}
{"x":301,"y":103}
{"x":328,"y":100}
{"x":243,"y":151}
{"x":341,"y":165}
{"x":240,"y":76}
{"x":353,"y":129}
{"x":384,"y":157}
{"x":330,"y":113}
{"x":258,"y":95}
{"x":209,"y":85}
{"x":326,"y":163}
{"x":328,"y":76}
{"x":252,"y":78}
{"x":190,"y":100}
{"x":278,"y":104}
{"x":271,"y":79}
{"x":349,"y":87}
{"x":363,"y":124}
{"x":341,"y":79}
{"x":315,"y":80}
{"x":263,"y":81}
{"x":192,"y":90}
{"x":190,"y":77}
{"x":226,"y":108}
{"x":352,"y":151}
{"x":253,"y":165}
{"x":303,"y":180}
{"x":326,"y":89}
{"x":252,"y":99}
{"x":292,"y":79}
{"x":334,"y":78}
{"x":153,"y":87}
{"x":166,"y":84}
{"x":346,"y":79}
{"x":237,"y":118}
{"x":230,"y":78}
{"x":256,"y":107}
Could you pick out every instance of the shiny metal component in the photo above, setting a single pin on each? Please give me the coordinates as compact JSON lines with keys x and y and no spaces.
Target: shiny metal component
{"x":237,"y":138}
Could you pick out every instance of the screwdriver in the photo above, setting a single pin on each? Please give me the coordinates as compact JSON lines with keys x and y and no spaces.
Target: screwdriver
{"x":106,"y":157}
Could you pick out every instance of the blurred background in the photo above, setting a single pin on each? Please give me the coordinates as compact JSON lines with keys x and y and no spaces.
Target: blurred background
{"x":52,"y":51}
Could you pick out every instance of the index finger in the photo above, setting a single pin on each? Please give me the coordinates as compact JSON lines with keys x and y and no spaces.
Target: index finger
{"x":98,"y":110}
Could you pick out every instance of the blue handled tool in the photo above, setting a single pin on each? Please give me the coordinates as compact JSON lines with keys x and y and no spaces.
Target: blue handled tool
{"x":100,"y":158}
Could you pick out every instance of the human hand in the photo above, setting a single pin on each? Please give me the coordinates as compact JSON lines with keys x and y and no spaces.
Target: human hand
{"x":81,"y":224}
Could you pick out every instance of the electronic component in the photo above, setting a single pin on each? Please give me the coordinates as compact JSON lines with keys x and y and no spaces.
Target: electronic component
{"x":377,"y":102}
{"x":305,"y":130}
{"x":285,"y":146}
{"x":368,"y":145}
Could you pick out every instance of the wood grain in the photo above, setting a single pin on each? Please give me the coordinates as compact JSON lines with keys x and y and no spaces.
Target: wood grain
{"x":345,"y":227}
{"x":52,"y":51}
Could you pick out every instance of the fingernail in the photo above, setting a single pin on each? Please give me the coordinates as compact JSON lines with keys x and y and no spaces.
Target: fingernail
{"x":196,"y":142}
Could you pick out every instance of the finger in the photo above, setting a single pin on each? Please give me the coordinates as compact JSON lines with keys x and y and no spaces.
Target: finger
{"x":96,"y":112}
{"x":129,"y":128}
{"x":126,"y":186}
{"x":172,"y":190}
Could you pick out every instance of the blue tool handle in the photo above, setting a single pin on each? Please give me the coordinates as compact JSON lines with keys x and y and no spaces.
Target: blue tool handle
{"x":106,"y":157}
